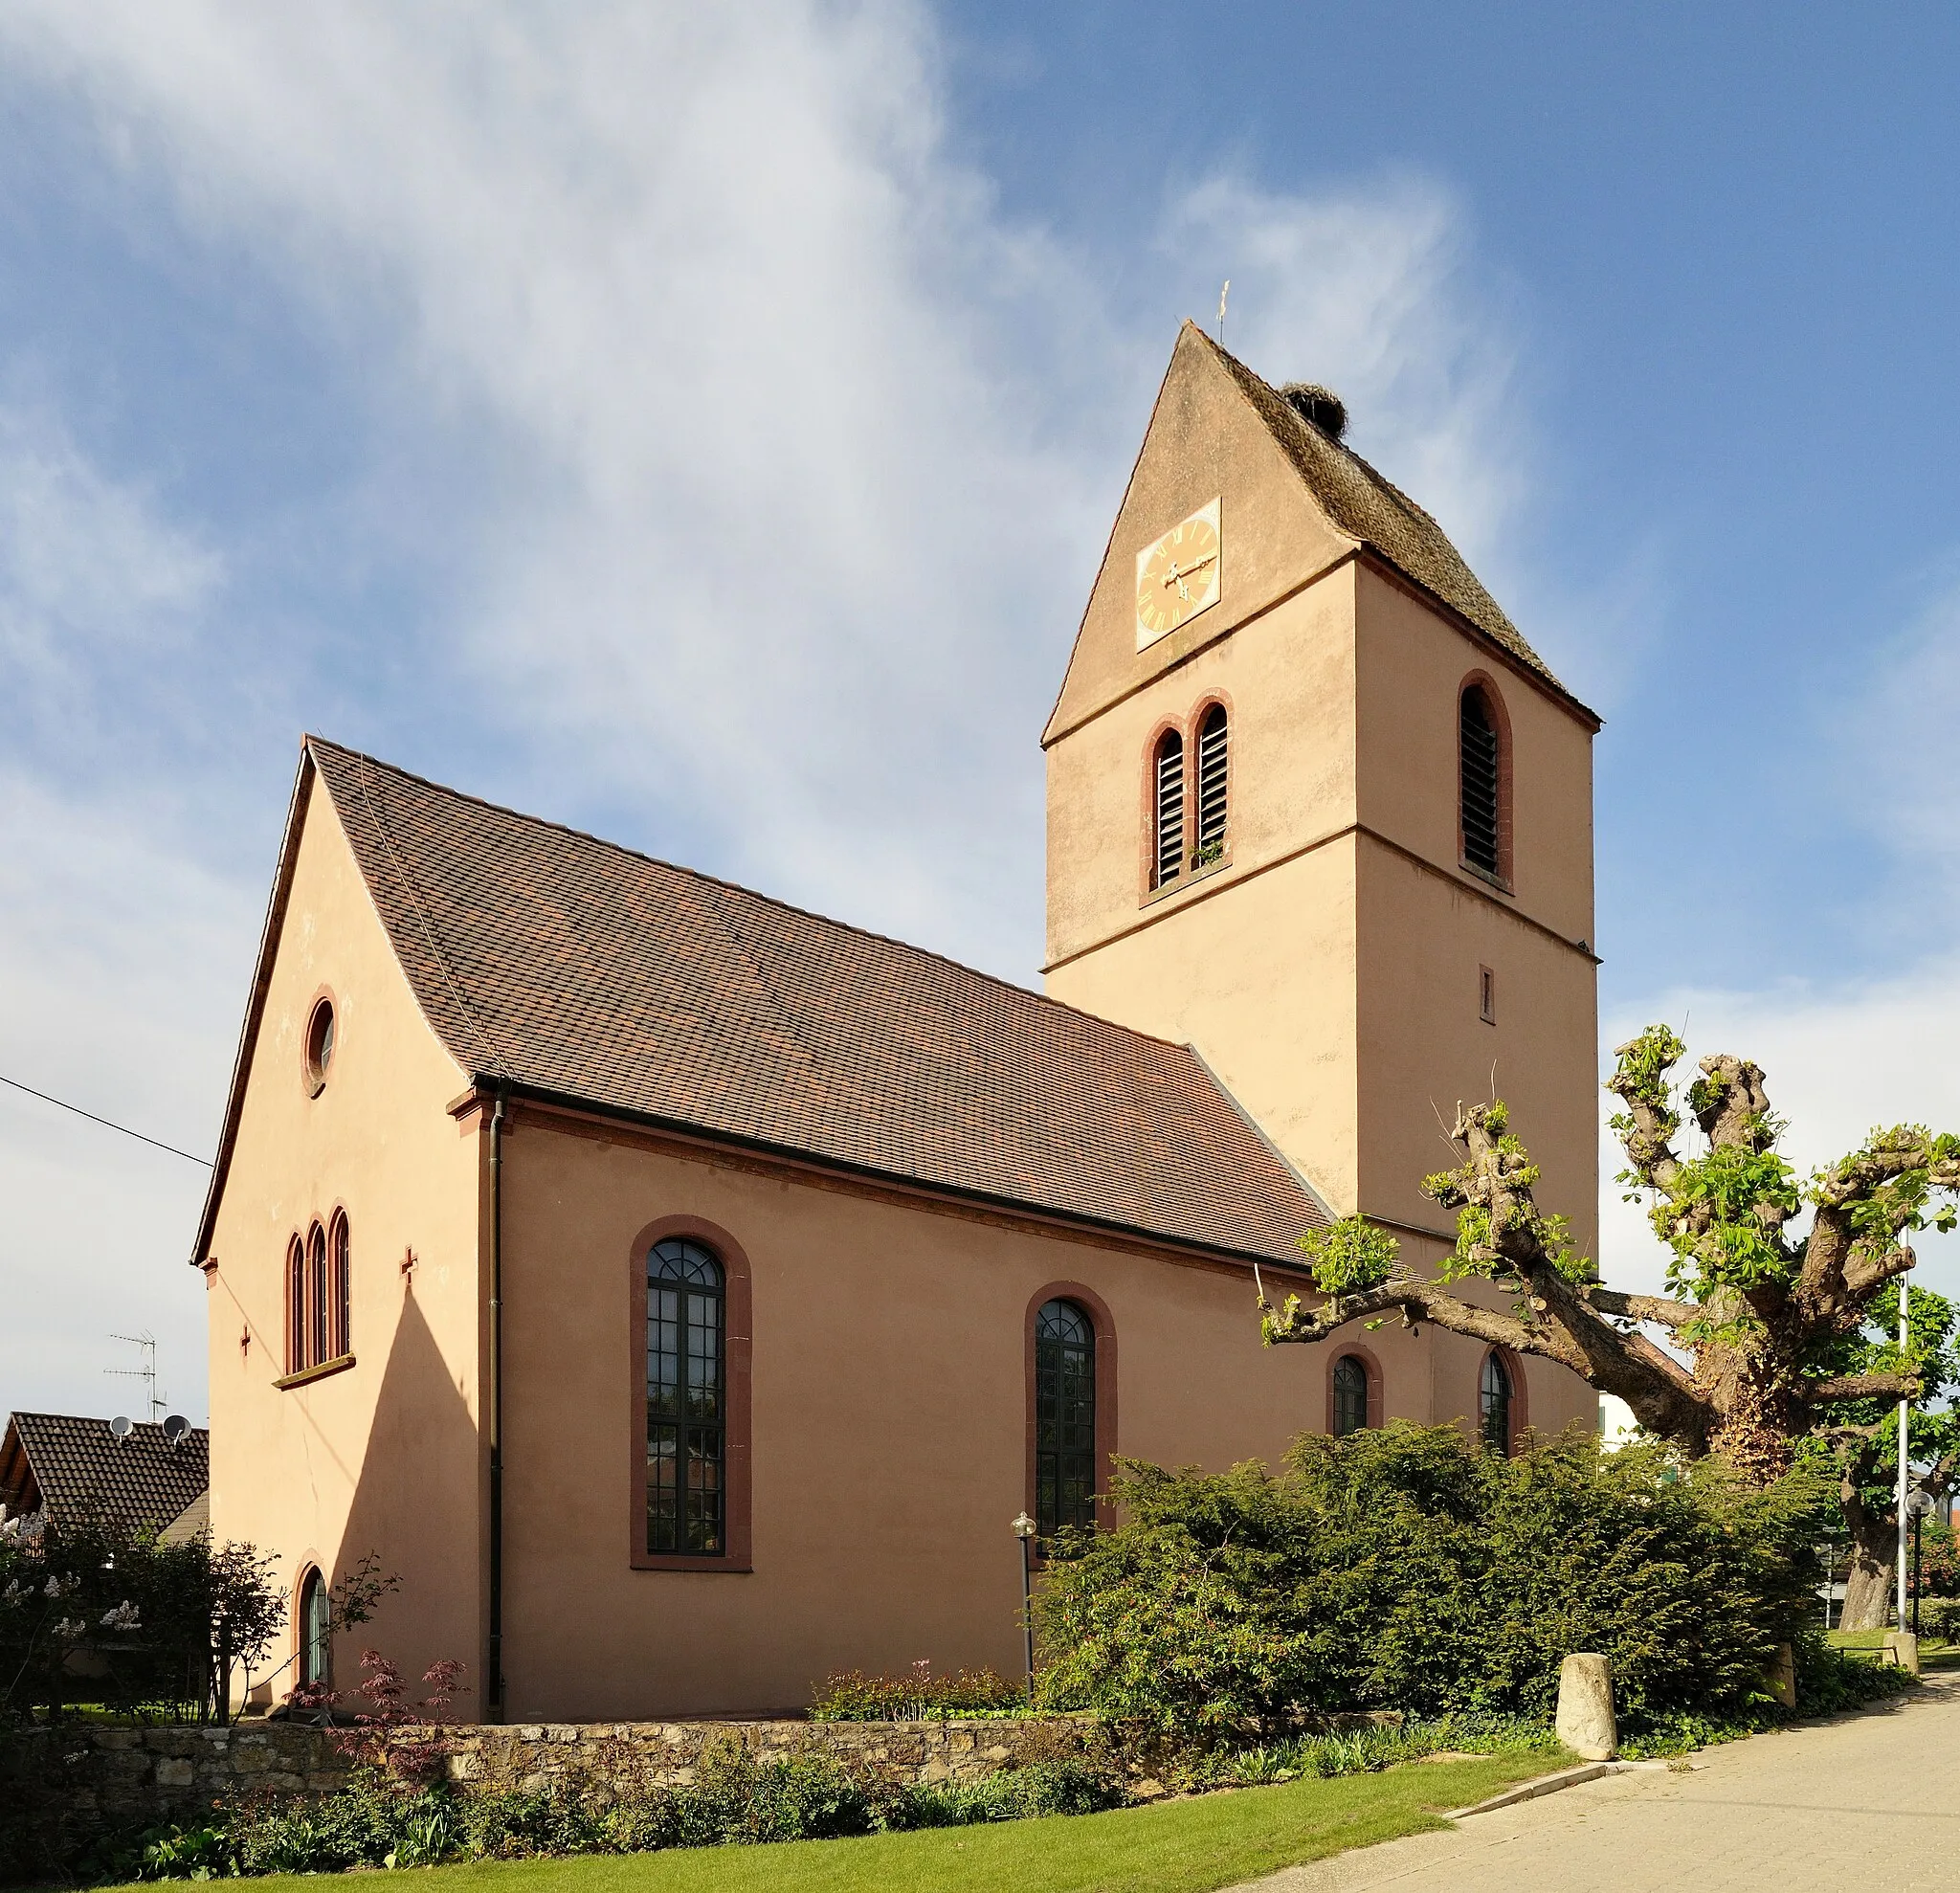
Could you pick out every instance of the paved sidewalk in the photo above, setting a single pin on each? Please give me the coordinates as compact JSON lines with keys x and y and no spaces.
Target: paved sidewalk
{"x":1869,"y":1803}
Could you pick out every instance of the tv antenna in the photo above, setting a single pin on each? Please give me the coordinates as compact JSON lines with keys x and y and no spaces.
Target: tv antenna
{"x":146,"y":1342}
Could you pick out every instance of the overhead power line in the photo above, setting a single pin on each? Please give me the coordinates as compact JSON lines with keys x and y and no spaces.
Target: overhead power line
{"x":107,"y":1122}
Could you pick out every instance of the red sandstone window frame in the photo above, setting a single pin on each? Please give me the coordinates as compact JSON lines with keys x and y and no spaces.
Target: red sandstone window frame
{"x":1372,"y":1368}
{"x":313,"y":1075}
{"x":308,"y":1570}
{"x":319,"y":1302}
{"x":1194,"y":727}
{"x":737,"y":1347}
{"x":1103,"y":1324}
{"x":1500,"y":723}
{"x":1166,"y":727}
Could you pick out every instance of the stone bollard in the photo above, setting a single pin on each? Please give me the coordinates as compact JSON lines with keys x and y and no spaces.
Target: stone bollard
{"x":1902,"y":1647}
{"x":1585,"y":1708}
{"x":1782,"y":1677}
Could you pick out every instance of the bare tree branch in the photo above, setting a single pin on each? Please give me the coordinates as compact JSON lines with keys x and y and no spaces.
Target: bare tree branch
{"x":1640,"y":1307}
{"x":1864,"y":1386}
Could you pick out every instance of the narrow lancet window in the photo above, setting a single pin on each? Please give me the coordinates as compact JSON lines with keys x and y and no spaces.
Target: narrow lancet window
{"x":1064,"y":1420}
{"x":1211,"y":809}
{"x":1481,"y":776}
{"x":1494,"y":1404}
{"x":339,"y":1295}
{"x":1167,"y":805}
{"x":687,"y":1429}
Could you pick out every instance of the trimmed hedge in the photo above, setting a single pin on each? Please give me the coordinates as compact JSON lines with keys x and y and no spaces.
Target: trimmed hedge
{"x":1407,"y":1569}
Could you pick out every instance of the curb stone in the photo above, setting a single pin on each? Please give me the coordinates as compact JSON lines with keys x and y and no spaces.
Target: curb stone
{"x":1550,"y":1784}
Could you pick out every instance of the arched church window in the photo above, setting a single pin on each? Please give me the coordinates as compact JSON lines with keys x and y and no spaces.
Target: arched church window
{"x":1212,"y":779}
{"x":1166,"y":792}
{"x":316,"y":1298}
{"x":1351,"y":1395}
{"x":296,"y":1306}
{"x":1064,"y":1420}
{"x":339,"y":1294}
{"x":1494,"y":1403}
{"x":316,"y":1629}
{"x":1481,"y":760}
{"x":687,"y":1415}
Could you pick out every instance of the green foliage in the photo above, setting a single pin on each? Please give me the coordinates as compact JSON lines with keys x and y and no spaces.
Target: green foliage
{"x":1406,"y":1569}
{"x":149,"y":1619}
{"x":376,"y":1821}
{"x":1366,"y":1749}
{"x":1349,"y":1255}
{"x":916,"y":1696}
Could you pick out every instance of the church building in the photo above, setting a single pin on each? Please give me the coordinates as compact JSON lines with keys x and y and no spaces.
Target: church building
{"x":684,"y":1293}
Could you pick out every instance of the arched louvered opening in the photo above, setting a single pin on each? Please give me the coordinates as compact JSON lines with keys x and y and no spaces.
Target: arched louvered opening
{"x":1167,"y":790}
{"x":1494,"y":1398}
{"x":1212,"y":790}
{"x":339,"y":1297}
{"x":1481,"y":765}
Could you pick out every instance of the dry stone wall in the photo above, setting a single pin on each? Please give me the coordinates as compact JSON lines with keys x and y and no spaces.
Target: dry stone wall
{"x":148,"y":1773}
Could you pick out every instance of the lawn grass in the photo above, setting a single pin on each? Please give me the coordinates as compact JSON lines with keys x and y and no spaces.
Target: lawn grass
{"x":1172,"y":1847}
{"x":1934,"y":1653}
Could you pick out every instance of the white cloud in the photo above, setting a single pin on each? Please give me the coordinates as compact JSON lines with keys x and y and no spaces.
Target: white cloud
{"x":770,"y":462}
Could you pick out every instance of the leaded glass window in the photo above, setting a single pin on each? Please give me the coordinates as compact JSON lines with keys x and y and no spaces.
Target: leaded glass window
{"x":1351,"y":1395}
{"x":1064,"y":1420}
{"x":687,"y":1414}
{"x":1494,"y":1404}
{"x":316,"y":1629}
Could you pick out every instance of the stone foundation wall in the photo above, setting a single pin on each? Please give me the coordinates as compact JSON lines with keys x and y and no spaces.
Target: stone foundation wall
{"x":119,"y":1774}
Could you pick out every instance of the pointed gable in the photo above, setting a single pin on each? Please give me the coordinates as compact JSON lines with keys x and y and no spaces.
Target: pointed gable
{"x":1294,"y":503}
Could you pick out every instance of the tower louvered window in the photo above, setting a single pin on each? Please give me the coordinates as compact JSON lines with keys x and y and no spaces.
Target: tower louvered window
{"x":1167,"y":796}
{"x":1480,"y":763}
{"x":1211,"y":836}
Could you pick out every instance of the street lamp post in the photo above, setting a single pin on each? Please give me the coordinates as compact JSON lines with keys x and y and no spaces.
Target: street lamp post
{"x":1024,"y":1530}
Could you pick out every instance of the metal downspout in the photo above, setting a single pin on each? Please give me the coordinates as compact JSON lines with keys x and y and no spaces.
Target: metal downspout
{"x":493,"y":1692}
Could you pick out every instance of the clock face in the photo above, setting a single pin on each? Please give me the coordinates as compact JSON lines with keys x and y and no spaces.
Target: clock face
{"x":1177,"y":575}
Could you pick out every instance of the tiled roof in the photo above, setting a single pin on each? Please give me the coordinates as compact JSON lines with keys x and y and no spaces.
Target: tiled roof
{"x":80,"y":1469}
{"x":571,"y":967}
{"x":1375,"y":511}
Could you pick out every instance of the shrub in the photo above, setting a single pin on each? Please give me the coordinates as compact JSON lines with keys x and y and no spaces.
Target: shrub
{"x":916,"y":1696}
{"x":1407,"y":1569}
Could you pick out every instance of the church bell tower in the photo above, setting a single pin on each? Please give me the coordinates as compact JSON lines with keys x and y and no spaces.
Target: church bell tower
{"x":1317,"y":809}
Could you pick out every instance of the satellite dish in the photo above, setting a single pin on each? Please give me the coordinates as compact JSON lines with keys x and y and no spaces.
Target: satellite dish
{"x":122,"y":1426}
{"x":175,"y":1427}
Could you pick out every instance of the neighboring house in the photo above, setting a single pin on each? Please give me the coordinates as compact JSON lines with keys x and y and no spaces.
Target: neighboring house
{"x":682,"y":1293}
{"x":75,"y":1468}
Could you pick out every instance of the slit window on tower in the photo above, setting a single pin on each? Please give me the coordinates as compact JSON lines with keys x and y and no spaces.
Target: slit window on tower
{"x":1211,"y":809}
{"x":1168,"y":803}
{"x":1479,"y":766}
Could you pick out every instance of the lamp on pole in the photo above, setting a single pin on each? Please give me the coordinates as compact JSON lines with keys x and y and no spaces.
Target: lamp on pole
{"x":1024,"y":1530}
{"x":1919,"y":1505}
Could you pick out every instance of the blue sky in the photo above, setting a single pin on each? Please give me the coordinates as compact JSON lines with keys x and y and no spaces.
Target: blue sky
{"x":702,"y":427}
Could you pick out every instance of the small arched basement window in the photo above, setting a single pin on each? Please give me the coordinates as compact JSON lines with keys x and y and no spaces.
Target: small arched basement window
{"x":1351,"y":1395}
{"x":1167,"y":806}
{"x":687,"y":1409}
{"x":1494,"y":1403}
{"x":316,"y":1629}
{"x":1211,"y":787}
{"x":1064,"y":1420}
{"x":1480,"y":760}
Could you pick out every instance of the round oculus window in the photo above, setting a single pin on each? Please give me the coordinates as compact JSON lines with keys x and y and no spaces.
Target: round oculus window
{"x":320,"y":1037}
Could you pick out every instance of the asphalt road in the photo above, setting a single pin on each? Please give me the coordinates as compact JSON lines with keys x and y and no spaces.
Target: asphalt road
{"x":1867,"y":1803}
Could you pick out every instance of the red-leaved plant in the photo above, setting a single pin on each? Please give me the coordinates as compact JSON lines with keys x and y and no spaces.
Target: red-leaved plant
{"x":403,"y":1739}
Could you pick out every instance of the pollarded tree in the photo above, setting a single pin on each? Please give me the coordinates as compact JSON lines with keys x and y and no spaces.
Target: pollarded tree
{"x":1757,"y":1310}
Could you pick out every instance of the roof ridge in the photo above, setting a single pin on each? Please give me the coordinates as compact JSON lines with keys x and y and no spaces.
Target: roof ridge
{"x":738,"y":887}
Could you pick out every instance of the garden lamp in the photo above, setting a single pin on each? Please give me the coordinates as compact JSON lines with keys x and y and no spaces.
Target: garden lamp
{"x":1023,"y":1528}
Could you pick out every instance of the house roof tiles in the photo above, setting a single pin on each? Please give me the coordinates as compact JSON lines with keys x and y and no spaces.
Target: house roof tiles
{"x":76,"y":1468}
{"x":568,"y":966}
